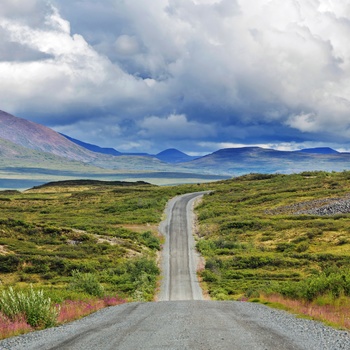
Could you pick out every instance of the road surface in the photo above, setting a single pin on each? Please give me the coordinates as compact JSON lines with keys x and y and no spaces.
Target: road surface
{"x":181,"y":319}
{"x":180,"y":258}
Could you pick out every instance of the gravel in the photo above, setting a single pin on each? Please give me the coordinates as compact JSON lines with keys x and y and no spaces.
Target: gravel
{"x":186,"y":325}
{"x":321,"y":207}
{"x":337,"y":206}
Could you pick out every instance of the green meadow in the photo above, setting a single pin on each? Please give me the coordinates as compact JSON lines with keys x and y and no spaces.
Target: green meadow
{"x":254,"y":240}
{"x":105,"y":229}
{"x":84,"y":240}
{"x":257,"y":244}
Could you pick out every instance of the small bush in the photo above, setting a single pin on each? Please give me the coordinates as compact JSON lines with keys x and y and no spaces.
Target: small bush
{"x":302,"y":247}
{"x":86,"y":282}
{"x":209,"y":276}
{"x":150,"y":240}
{"x":35,"y":307}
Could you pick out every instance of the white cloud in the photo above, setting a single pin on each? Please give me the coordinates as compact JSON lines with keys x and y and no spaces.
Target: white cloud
{"x":126,"y":45}
{"x":99,"y":133}
{"x":73,"y":75}
{"x":55,"y":20}
{"x":305,"y":122}
{"x":202,"y":66}
{"x":174,"y":126}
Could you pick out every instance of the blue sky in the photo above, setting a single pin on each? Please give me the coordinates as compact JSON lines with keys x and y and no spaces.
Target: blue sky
{"x":197,"y":75}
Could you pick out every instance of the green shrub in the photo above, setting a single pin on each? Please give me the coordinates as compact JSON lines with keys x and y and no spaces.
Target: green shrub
{"x":9,"y":263}
{"x":333,"y":283}
{"x":86,"y":282}
{"x":209,"y":276}
{"x":36,"y":307}
{"x":302,"y":247}
{"x":149,"y":240}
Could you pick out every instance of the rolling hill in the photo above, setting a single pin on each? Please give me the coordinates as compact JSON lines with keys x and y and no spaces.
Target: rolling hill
{"x":39,"y":138}
{"x":173,"y":155}
{"x":319,"y":150}
{"x":32,"y":154}
{"x":30,"y":151}
{"x":239,"y":161}
{"x":94,"y":148}
{"x":170,"y":155}
{"x":32,"y":136}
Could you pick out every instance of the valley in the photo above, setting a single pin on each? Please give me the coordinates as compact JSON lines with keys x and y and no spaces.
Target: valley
{"x":79,"y":224}
{"x":32,"y":154}
{"x":178,"y":320}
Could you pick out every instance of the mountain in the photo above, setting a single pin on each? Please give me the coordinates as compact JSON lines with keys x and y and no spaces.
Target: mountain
{"x":33,"y":151}
{"x":93,"y":148}
{"x":22,"y":167}
{"x":173,"y":155}
{"x":102,"y":150}
{"x":319,"y":150}
{"x":170,"y":155}
{"x":32,"y":154}
{"x":39,"y":137}
{"x":29,"y":135}
{"x":238,"y":161}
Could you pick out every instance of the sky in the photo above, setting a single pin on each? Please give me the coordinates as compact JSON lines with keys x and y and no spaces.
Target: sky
{"x":196,"y":75}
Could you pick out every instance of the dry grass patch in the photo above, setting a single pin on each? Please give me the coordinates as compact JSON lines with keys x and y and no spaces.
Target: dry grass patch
{"x":337,"y":315}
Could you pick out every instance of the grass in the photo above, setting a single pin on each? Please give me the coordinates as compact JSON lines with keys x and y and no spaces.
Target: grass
{"x":255,"y":244}
{"x":71,"y":310}
{"x":82,"y":241}
{"x":335,"y":313}
{"x":11,"y":328}
{"x":68,"y":310}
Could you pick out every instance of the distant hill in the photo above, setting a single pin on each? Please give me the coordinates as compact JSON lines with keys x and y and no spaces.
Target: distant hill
{"x":238,"y":161}
{"x":40,"y":138}
{"x":30,"y":150}
{"x":29,"y":135}
{"x":96,"y":183}
{"x":170,"y":155}
{"x":35,"y":167}
{"x":173,"y":155}
{"x":32,"y":154}
{"x":93,"y":148}
{"x":319,"y":150}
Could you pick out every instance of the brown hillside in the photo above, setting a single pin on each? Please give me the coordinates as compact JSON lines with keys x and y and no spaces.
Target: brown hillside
{"x":40,"y":138}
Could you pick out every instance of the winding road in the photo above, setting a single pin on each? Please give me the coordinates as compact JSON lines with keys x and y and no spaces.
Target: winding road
{"x":182,"y":319}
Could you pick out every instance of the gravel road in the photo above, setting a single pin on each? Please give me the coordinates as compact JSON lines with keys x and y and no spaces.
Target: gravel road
{"x":184,"y":324}
{"x":180,"y":258}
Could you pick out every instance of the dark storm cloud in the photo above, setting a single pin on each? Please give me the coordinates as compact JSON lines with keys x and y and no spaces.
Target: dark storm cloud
{"x":188,"y":73}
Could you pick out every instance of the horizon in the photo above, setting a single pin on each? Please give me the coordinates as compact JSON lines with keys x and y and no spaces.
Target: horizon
{"x":194,"y":154}
{"x":195,"y":76}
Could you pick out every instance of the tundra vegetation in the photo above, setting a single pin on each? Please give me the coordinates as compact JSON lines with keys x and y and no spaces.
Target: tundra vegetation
{"x":260,"y":243}
{"x":74,"y":247}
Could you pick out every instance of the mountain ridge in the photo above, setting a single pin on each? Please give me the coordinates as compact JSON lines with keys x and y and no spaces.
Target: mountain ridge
{"x":92,"y":147}
{"x":170,"y":155}
{"x":39,"y":138}
{"x":319,"y":150}
{"x":35,"y":146}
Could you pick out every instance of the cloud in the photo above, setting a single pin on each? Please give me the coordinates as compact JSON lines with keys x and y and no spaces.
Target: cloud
{"x":70,"y":76}
{"x":304,"y":122}
{"x":126,"y":45}
{"x":173,"y":127}
{"x":232,"y":71}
